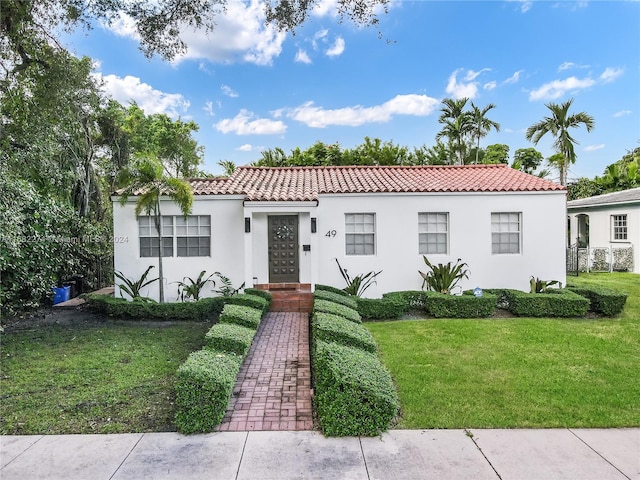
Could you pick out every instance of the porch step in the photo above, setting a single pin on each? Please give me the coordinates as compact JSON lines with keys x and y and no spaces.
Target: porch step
{"x":289,"y":297}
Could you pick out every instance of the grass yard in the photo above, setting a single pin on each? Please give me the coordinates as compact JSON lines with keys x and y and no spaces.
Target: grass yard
{"x":519,"y":372}
{"x":111,"y":378}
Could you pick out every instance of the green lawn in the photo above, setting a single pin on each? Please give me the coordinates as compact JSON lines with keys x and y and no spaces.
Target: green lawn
{"x":519,"y":372}
{"x":110,"y":378}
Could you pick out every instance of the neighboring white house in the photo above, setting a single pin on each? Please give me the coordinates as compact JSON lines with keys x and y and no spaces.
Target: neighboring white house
{"x":609,"y":227}
{"x":288,"y":225}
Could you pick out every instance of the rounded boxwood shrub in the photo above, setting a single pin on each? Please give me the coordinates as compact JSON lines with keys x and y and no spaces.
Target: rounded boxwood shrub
{"x":603,"y":300}
{"x":230,"y":338}
{"x":332,"y":328}
{"x":203,"y":389}
{"x":203,"y":310}
{"x":354,"y":392}
{"x":248,"y":300}
{"x":381,"y":308}
{"x":556,"y":303}
{"x":329,"y":288}
{"x":345,"y":300}
{"x":320,"y":305}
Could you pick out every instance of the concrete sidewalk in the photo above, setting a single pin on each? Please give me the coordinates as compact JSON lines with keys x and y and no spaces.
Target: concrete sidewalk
{"x":555,"y":454}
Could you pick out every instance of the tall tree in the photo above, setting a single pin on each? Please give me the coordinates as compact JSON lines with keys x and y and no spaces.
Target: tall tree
{"x":146,"y":179}
{"x":497,"y":153}
{"x":527,"y":159}
{"x":558,"y":125}
{"x":457,"y":126}
{"x":481,"y":124}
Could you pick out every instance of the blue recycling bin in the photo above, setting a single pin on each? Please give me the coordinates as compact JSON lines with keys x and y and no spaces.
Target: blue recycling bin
{"x":61,"y":294}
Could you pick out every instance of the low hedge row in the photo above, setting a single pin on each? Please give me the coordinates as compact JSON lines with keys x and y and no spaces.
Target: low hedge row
{"x":346,"y":300}
{"x":241,"y":315}
{"x":259,"y":293}
{"x":354,"y":392}
{"x":328,"y":306}
{"x":460,"y":306}
{"x":603,"y":300}
{"x":410,"y":299}
{"x":228,"y":337}
{"x":205,"y":381}
{"x":204,"y":310}
{"x":329,"y":288}
{"x":556,"y":303}
{"x":249,"y":300}
{"x":381,"y":308}
{"x":203,"y":389}
{"x":333,"y":328}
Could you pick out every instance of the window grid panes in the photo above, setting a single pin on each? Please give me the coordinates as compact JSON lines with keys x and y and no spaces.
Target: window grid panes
{"x":505,"y":232}
{"x":619,"y":227}
{"x":149,"y":244}
{"x":193,"y":236}
{"x":360,"y":231}
{"x":433,"y":231}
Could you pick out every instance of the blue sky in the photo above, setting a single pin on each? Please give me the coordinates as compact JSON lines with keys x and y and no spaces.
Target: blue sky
{"x":252,"y":88}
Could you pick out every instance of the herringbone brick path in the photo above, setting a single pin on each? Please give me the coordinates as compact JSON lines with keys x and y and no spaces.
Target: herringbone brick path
{"x":273,"y":388}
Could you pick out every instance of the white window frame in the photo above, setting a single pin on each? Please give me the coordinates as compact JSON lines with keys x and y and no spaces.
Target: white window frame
{"x":619,"y":228}
{"x":196,"y":227}
{"x":147,"y":234}
{"x":360,"y":234}
{"x":506,"y":225}
{"x":432,"y":227}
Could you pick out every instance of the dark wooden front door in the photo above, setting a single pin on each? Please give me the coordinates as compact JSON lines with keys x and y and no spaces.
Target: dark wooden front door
{"x":283,"y":249}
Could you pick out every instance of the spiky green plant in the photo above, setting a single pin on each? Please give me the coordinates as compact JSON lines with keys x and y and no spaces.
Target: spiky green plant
{"x":193,"y":288}
{"x":358,"y":284}
{"x":133,"y":287}
{"x":227,"y":289}
{"x":443,"y":277}
{"x":541,"y":286}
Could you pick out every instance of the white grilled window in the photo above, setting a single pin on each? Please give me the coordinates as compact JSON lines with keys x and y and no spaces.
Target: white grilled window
{"x":505,"y":232}
{"x":360,"y":233}
{"x":433,"y":233}
{"x":193,"y":235}
{"x":619,"y":227}
{"x":149,"y":244}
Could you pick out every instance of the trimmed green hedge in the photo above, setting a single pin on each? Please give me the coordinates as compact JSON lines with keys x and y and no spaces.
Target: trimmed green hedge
{"x":204,"y":310}
{"x":556,"y":303}
{"x":248,"y":300}
{"x":259,"y":293}
{"x":240,"y":315}
{"x":603,"y":300}
{"x":410,"y":299}
{"x":327,"y":306}
{"x":381,"y":308}
{"x":329,"y":288}
{"x":203,"y":389}
{"x":460,"y":306}
{"x":332,"y":328}
{"x":354,"y":392}
{"x":230,"y":338}
{"x":345,"y":300}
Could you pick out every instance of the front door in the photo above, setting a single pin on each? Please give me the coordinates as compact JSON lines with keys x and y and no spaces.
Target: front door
{"x":283,"y":249}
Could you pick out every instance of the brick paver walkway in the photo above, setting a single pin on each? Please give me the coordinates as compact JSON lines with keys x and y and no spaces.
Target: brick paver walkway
{"x":273,"y":389}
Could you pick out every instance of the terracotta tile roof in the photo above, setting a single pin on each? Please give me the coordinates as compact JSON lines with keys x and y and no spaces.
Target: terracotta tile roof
{"x":307,"y":183}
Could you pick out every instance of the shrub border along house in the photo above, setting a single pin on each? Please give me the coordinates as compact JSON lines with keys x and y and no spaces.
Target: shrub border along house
{"x":354,"y":392}
{"x":206,"y":380}
{"x":203,"y":310}
{"x":603,"y":300}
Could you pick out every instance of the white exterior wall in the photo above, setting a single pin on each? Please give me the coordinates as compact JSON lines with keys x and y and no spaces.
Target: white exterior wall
{"x":600,"y":228}
{"x":542,"y":249}
{"x":227,"y":247}
{"x":244,"y":256}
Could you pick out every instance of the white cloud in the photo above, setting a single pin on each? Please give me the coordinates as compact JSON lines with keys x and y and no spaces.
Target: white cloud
{"x":319,"y":36}
{"x":208,"y":107}
{"x":229,"y":92}
{"x":318,"y":117}
{"x":593,"y":148}
{"x":557,"y":88}
{"x":490,"y":85}
{"x":472,"y":75}
{"x":336,"y":49}
{"x":150,"y":100}
{"x":302,"y":57}
{"x":247,"y":147}
{"x":610,"y":74}
{"x":570,"y":65}
{"x":124,"y":26}
{"x":525,"y":6}
{"x":461,"y":90}
{"x":246,"y":123}
{"x":622,"y":113}
{"x":514,"y":78}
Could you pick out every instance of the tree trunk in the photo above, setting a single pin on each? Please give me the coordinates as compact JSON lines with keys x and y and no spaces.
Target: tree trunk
{"x":160,"y":270}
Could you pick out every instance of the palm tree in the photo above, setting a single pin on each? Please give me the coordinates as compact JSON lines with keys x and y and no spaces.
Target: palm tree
{"x":146,"y":179}
{"x":481,"y":124}
{"x":558,"y":124}
{"x":457,"y":126}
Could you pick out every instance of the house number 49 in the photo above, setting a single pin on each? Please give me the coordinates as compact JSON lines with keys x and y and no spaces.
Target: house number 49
{"x":330,"y":234}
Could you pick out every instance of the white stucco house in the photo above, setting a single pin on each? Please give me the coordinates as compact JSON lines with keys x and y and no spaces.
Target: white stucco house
{"x":288,"y":225}
{"x":607,"y":230}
